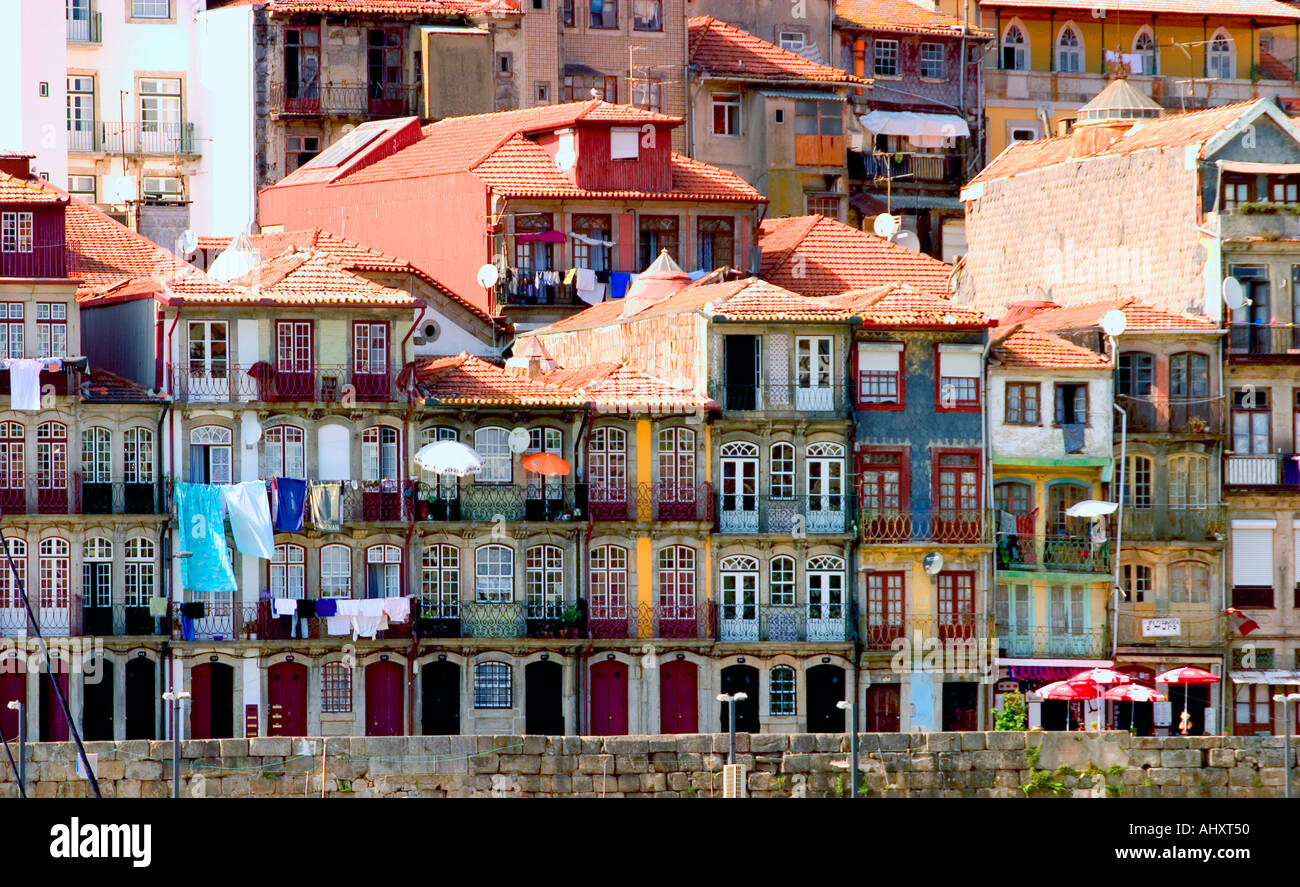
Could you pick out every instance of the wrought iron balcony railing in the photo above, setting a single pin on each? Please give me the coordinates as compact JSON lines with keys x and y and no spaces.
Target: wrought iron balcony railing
{"x":513,"y":619}
{"x":86,"y":30}
{"x":1182,"y":415}
{"x":1270,"y":341}
{"x":816,"y":623}
{"x":1262,"y":470}
{"x":1048,"y":643}
{"x":67,"y":493}
{"x":320,"y":384}
{"x":1187,"y":523}
{"x":1169,"y":627}
{"x":882,"y":630}
{"x":1061,"y":554}
{"x":157,"y":139}
{"x":802,"y":398}
{"x":369,"y":100}
{"x":660,"y":501}
{"x":121,"y":620}
{"x":544,"y":500}
{"x":748,"y":513}
{"x":905,"y":527}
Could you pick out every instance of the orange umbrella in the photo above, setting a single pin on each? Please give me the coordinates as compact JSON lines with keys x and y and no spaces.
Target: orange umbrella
{"x":548,"y":464}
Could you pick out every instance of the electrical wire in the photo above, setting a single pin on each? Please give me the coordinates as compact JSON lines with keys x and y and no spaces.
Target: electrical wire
{"x":22,"y":789}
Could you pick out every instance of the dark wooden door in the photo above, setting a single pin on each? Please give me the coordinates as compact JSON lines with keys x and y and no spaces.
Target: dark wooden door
{"x":13,"y":686}
{"x":286,"y":699}
{"x":544,"y":699}
{"x":608,"y":699}
{"x":441,"y":685}
{"x":825,"y":687}
{"x":384,"y":692}
{"x":54,"y":723}
{"x":678,"y":697}
{"x":960,"y":706}
{"x":881,"y":714}
{"x":97,"y":703}
{"x":141,"y":686}
{"x":740,"y":679}
{"x":212,"y":701}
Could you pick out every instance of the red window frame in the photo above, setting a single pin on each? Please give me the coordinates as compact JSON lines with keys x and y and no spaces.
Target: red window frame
{"x":960,"y":523}
{"x":900,"y":382}
{"x":293,"y":346}
{"x":961,"y":406}
{"x":956,"y":603}
{"x":886,"y":608}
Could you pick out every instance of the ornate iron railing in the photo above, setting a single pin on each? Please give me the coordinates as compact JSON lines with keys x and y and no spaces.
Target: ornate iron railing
{"x":1190,"y":523}
{"x":321,"y":384}
{"x":740,"y":622}
{"x":954,"y":527}
{"x":1172,"y":628}
{"x":1046,"y":643}
{"x":1052,"y":553}
{"x":1184,"y":415}
{"x":370,"y":100}
{"x":750,"y":513}
{"x":831,"y":398}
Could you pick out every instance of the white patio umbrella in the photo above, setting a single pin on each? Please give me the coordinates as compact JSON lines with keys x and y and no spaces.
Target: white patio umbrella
{"x":1091,"y":508}
{"x":449,"y":457}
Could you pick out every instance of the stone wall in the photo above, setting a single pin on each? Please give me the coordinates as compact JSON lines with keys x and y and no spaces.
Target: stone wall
{"x":1007,"y":765}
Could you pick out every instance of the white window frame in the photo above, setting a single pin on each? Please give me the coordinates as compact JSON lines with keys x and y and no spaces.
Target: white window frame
{"x":492,"y":443}
{"x":1069,"y":50}
{"x":440,"y":582}
{"x":494,"y":574}
{"x":336,"y":571}
{"x":732,"y":114}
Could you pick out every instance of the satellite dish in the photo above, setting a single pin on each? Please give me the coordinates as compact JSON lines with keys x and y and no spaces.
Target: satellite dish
{"x":187,"y":242}
{"x":518,"y":440}
{"x":885,"y":225}
{"x":1114,"y":323}
{"x":1233,"y":296}
{"x":933,"y":563}
{"x":488,"y":276}
{"x":907,"y":240}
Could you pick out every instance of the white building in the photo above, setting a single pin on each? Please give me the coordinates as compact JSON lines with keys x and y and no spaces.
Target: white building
{"x":32,"y":62}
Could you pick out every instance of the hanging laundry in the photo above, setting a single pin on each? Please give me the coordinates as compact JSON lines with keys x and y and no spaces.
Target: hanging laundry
{"x":570,"y":276}
{"x":327,"y":506}
{"x":306,"y":608}
{"x":202,"y":533}
{"x":619,"y":281}
{"x":1073,"y":435}
{"x":193,"y":610}
{"x":250,"y":518}
{"x":326,"y":607}
{"x":591,"y":241}
{"x":290,"y":496}
{"x":338,"y":625}
{"x":586,"y":280}
{"x":187,"y":628}
{"x":25,"y":382}
{"x":158,"y":607}
{"x":284,"y":606}
{"x":397,"y":609}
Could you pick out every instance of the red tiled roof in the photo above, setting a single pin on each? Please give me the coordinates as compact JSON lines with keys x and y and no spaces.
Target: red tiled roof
{"x":1017,"y":346}
{"x":101,"y":251}
{"x":899,"y":15}
{"x":1215,"y":9}
{"x":442,"y":8}
{"x":465,"y":379}
{"x":33,"y":190}
{"x":903,"y":306}
{"x":104,"y":387}
{"x":1273,"y":67}
{"x":818,"y":256}
{"x":294,"y":277}
{"x":1141,"y":318}
{"x":619,"y":385}
{"x":718,"y":48}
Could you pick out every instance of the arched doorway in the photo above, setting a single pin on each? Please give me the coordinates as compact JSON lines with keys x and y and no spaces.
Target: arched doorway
{"x":825,"y":685}
{"x":544,"y":699}
{"x":385,"y":683}
{"x":141,"y":689}
{"x":440,"y":684}
{"x":740,"y":679}
{"x":212,"y":701}
{"x":286,"y":699}
{"x":678,"y":697}
{"x":609,"y":698}
{"x":54,"y":723}
{"x":97,"y":703}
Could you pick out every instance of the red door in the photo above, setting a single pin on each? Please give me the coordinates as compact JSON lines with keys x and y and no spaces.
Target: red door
{"x":13,"y":685}
{"x":200,"y":702}
{"x":678,"y":698}
{"x":608,"y":699}
{"x":287,"y":699}
{"x":882,"y":705}
{"x":957,"y":497}
{"x":385,"y":688}
{"x":54,"y":724}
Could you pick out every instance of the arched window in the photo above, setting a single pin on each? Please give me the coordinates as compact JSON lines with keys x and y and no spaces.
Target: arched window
{"x":781,"y":471}
{"x":492,"y":685}
{"x":494,"y":574}
{"x":1189,"y":583}
{"x":137,"y":456}
{"x":1015,"y":49}
{"x":96,"y":572}
{"x":383,"y":571}
{"x":607,"y":453}
{"x":13,"y":482}
{"x":1014,"y":497}
{"x":1069,"y":50}
{"x":677,"y":583}
{"x":608,"y":582}
{"x":52,"y":456}
{"x":446,"y":485}
{"x":545,"y":440}
{"x":1059,"y":498}
{"x":825,"y":468}
{"x":335,"y":571}
{"x":825,"y":583}
{"x":285,"y":451}
{"x":781,"y":693}
{"x":210,"y":455}
{"x":379,"y":453}
{"x":677,"y":464}
{"x":141,"y":571}
{"x":1189,"y":392}
{"x":493,"y":446}
{"x":335,"y":688}
{"x":740,"y":448}
{"x":1219,"y":61}
{"x":1144,"y":47}
{"x":544,"y":581}
{"x":96,"y":456}
{"x":55,"y":585}
{"x":1138,"y":488}
{"x":440,"y":582}
{"x":1188,"y":481}
{"x":781,"y":583}
{"x":9,"y":582}
{"x":288,"y":575}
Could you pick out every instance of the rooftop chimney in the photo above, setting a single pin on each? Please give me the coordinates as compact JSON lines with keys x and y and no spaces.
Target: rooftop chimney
{"x":1111,"y":113}
{"x":16,"y":164}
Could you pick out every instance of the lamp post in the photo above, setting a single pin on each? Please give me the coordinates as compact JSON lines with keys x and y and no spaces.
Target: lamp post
{"x":852,"y":708}
{"x":15,"y":705}
{"x":1288,"y":701}
{"x":732,"y":699}
{"x":175,"y":700}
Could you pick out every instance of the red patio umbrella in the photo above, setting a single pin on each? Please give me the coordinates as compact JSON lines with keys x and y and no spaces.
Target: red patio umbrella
{"x":1100,"y":676}
{"x":1064,"y":691}
{"x":547,"y":464}
{"x":1187,"y":674}
{"x":1134,"y":693}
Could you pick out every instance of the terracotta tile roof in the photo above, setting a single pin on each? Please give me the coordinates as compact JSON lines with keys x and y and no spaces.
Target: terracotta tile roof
{"x":465,"y":379}
{"x":522,"y":168}
{"x":103,"y":252}
{"x":1141,"y":318}
{"x":34,"y":190}
{"x":1017,"y":346}
{"x":439,"y":8}
{"x":101,"y":386}
{"x":903,"y":306}
{"x":720,"y":49}
{"x":1216,"y":9}
{"x":899,"y":15}
{"x":1273,"y":67}
{"x":619,"y":385}
{"x":818,"y":256}
{"x":294,"y":277}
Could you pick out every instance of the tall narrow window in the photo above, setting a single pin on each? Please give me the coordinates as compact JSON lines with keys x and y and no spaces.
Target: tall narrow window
{"x":658,"y":234}
{"x":782,"y":692}
{"x":492,"y":685}
{"x":81,"y":113}
{"x":781,"y":471}
{"x":97,"y":572}
{"x":161,"y":127}
{"x":379,"y":454}
{"x":1069,"y":51}
{"x":715,"y":243}
{"x":140,"y":572}
{"x":1015,"y":49}
{"x":96,"y":456}
{"x":493,"y":446}
{"x":440,"y":582}
{"x":137,"y":456}
{"x":287,"y":572}
{"x":494,"y":573}
{"x":383,"y":571}
{"x":335,"y":571}
{"x":781,"y":581}
{"x":1219,"y":60}
{"x":677,"y":585}
{"x":11,"y":330}
{"x":52,"y":328}
{"x":284,"y":451}
{"x":544,"y":581}
{"x":607,"y":575}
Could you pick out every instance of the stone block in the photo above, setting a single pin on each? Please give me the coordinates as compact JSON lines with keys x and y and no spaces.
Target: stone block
{"x":525,"y":764}
{"x":1180,"y":757}
{"x":796,"y":764}
{"x":232,"y":748}
{"x":888,"y":742}
{"x":480,"y":763}
{"x":145,"y":770}
{"x":804,"y":743}
{"x":768,"y":742}
{"x":943,"y":742}
{"x":627,"y":747}
{"x":1222,"y":757}
{"x":1005,"y":740}
{"x":695,"y":743}
{"x":631,"y":763}
{"x":596,"y":764}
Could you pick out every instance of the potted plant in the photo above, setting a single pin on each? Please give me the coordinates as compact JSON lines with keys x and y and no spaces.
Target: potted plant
{"x":571,"y":622}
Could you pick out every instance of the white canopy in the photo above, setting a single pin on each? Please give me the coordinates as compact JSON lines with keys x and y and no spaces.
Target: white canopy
{"x":1091,"y":508}
{"x":921,"y":129}
{"x":449,"y":457}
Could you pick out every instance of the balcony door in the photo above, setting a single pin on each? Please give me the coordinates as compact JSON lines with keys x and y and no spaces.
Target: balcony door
{"x":741,"y":357}
{"x":302,"y":70}
{"x":293,"y":361}
{"x":738,"y":614}
{"x":826,"y":599}
{"x":370,"y":360}
{"x":160,"y":115}
{"x":384,"y":71}
{"x":826,"y":488}
{"x":1189,"y":392}
{"x":814,"y":372}
{"x":739,"y":488}
{"x":208,"y":371}
{"x":676,"y":474}
{"x":55,"y":587}
{"x":607,"y":456}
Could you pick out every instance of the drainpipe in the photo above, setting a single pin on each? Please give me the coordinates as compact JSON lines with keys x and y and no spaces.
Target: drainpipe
{"x":990,"y":565}
{"x":584,"y":547}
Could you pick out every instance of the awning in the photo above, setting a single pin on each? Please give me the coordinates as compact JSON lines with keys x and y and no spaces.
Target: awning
{"x":922,"y":130}
{"x":1049,"y":669}
{"x":805,"y":96}
{"x":1265,"y":676}
{"x":1249,"y":166}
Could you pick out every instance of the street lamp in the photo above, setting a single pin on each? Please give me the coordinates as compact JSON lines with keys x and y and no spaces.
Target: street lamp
{"x":1288,"y":701}
{"x":852,"y":708}
{"x":732,"y":698}
{"x":175,"y":700}
{"x":15,"y":705}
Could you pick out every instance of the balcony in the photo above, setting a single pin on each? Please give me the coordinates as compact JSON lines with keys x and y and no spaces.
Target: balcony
{"x":822,"y":623}
{"x":914,"y":168}
{"x":784,"y":398}
{"x":321,"y":384}
{"x":880,"y":631}
{"x":1172,"y":93}
{"x":742,"y":513}
{"x":118,"y":620}
{"x":86,"y":30}
{"x":144,"y":139}
{"x":1276,"y":472}
{"x":372,"y":101}
{"x":944,"y":527}
{"x":1180,"y":415}
{"x":1045,"y":643}
{"x":1055,"y":554}
{"x":491,"y":502}
{"x":1263,"y":342}
{"x":66,"y":493}
{"x":1191,"y":628}
{"x":513,"y":620}
{"x":120,"y":497}
{"x":1183,"y":523}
